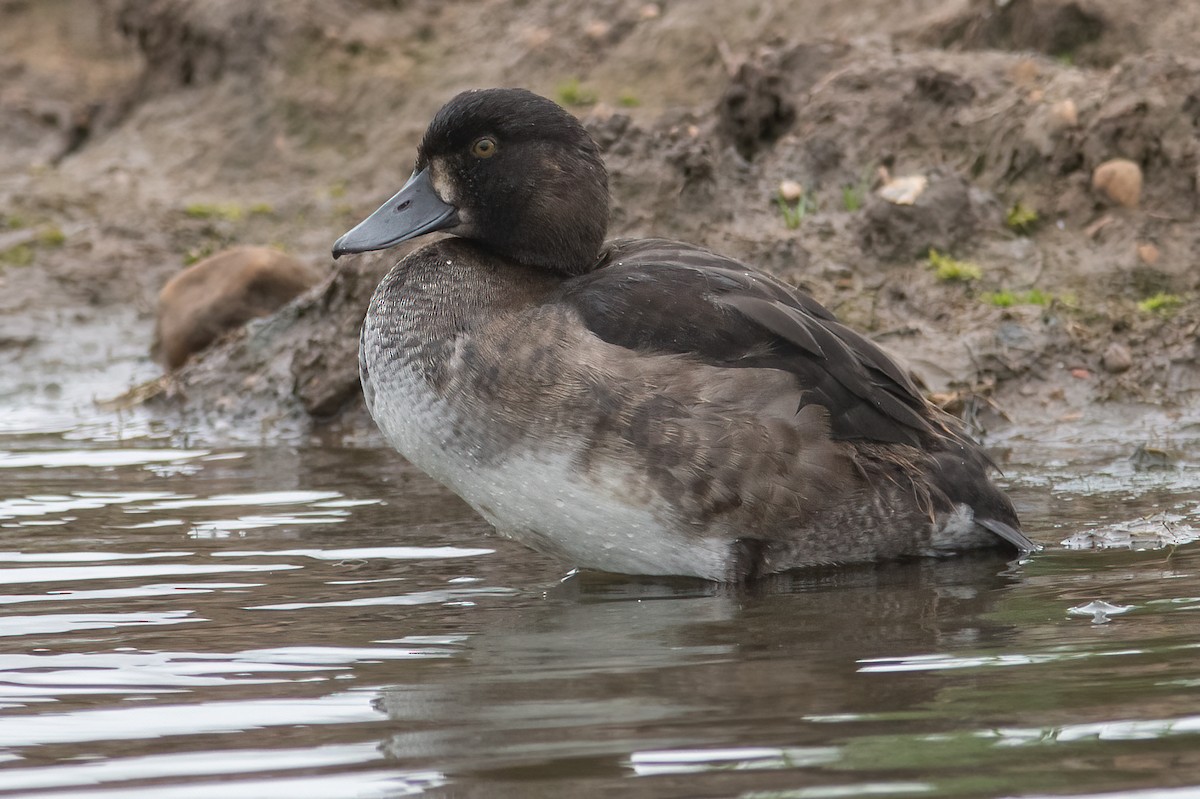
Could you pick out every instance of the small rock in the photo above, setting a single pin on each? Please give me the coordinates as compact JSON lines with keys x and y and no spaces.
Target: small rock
{"x":649,"y":11}
{"x":1025,"y":72}
{"x":597,"y":30}
{"x":1148,"y":254}
{"x":1064,"y":114}
{"x":1121,"y":181}
{"x":1080,"y":373}
{"x":1116,"y":358}
{"x":534,"y":38}
{"x":1046,"y":123}
{"x":790,"y":191}
{"x":905,"y":190}
{"x":222,"y":293}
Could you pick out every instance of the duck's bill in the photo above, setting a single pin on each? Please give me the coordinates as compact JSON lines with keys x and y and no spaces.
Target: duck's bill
{"x":414,"y":211}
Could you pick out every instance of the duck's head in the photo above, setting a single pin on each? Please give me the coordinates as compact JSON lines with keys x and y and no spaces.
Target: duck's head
{"x":507,"y":169}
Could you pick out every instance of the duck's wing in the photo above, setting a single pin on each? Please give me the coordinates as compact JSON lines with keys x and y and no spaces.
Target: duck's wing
{"x":661,"y":296}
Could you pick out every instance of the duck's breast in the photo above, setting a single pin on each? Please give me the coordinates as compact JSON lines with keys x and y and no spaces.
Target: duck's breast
{"x":513,"y":409}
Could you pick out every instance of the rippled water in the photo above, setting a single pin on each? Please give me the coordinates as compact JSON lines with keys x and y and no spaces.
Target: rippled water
{"x":182,"y":622}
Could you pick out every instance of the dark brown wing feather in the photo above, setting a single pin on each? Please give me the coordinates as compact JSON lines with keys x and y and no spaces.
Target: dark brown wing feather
{"x":661,"y":296}
{"x":664,"y":296}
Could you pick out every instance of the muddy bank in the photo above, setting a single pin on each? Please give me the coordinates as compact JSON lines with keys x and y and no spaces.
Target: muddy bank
{"x":908,"y":127}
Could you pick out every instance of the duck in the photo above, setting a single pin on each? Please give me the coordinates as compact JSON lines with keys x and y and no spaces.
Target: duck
{"x":640,"y":406}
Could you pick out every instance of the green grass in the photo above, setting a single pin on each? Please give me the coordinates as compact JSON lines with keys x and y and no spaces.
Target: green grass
{"x":628,"y":99}
{"x":1162,"y":304}
{"x":1021,"y":219}
{"x":855,"y":194}
{"x":952,"y":270}
{"x":20,"y":255}
{"x":232,"y":212}
{"x":51,"y":236}
{"x":1007,"y":299}
{"x":572,"y":92}
{"x":793,"y":213}
{"x":199,"y":253}
{"x":852,"y":198}
{"x":229,"y":211}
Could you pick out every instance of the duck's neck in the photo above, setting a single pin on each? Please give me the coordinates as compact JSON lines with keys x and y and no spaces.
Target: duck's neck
{"x":450,"y":285}
{"x":561,"y":229}
{"x":552,"y":254}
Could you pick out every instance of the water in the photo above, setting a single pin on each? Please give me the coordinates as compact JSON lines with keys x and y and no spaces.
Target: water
{"x":287,"y":622}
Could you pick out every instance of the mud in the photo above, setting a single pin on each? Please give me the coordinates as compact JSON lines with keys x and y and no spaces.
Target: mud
{"x":138,"y":136}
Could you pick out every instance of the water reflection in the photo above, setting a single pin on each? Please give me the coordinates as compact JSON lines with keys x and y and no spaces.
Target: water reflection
{"x":287,"y":622}
{"x":704,"y":679}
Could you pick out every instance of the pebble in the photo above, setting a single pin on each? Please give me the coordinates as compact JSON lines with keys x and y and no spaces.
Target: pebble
{"x":1121,"y":181}
{"x":1148,"y":254}
{"x":1047,"y":122}
{"x":597,"y":29}
{"x":536,"y":37}
{"x":1064,"y":114}
{"x":1025,"y":72}
{"x":1116,"y":358}
{"x":790,"y":191}
{"x":904,"y":190}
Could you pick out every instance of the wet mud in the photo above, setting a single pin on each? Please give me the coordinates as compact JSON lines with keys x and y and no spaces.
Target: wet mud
{"x":926,"y":169}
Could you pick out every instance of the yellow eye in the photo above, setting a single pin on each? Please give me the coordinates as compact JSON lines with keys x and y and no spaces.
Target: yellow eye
{"x":484,"y":147}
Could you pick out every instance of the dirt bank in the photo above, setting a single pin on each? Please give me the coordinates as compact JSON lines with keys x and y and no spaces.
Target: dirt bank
{"x":138,"y":136}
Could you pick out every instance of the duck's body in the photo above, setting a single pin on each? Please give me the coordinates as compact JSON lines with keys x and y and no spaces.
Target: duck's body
{"x":644,"y":406}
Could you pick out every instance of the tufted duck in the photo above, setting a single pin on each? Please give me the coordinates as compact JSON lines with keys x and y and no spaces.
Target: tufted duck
{"x":640,"y":406}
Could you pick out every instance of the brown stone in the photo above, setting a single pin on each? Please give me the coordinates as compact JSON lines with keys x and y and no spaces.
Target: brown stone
{"x":222,"y":293}
{"x":1120,"y":180}
{"x":1025,"y":72}
{"x":790,"y":191}
{"x":1064,"y":114}
{"x":1117,"y":358}
{"x":597,"y":29}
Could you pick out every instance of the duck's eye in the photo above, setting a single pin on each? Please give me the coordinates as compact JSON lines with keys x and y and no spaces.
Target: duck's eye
{"x":484,"y":147}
